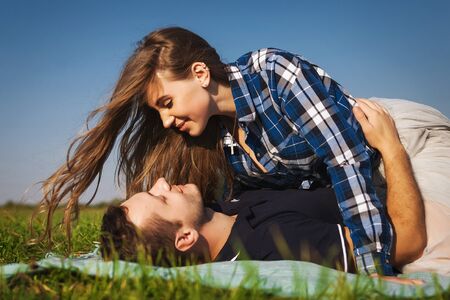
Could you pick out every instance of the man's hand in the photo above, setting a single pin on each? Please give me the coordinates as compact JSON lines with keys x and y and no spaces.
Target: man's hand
{"x":377,"y":125}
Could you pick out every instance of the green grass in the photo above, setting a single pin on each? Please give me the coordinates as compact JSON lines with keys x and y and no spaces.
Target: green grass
{"x":15,"y":234}
{"x":64,"y":284}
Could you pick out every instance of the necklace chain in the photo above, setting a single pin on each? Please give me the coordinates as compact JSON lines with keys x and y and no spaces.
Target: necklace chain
{"x":232,"y":136}
{"x":234,"y":126}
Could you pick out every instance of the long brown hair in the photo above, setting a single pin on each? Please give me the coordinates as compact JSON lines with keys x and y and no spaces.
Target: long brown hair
{"x":147,"y":150}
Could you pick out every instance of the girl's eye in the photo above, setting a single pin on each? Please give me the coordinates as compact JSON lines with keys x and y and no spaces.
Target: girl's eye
{"x":167,"y":103}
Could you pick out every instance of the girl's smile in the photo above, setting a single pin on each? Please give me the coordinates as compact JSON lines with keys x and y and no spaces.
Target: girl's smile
{"x":184,"y":104}
{"x":187,"y":104}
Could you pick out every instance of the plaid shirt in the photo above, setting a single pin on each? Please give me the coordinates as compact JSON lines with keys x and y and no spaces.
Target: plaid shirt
{"x":299,"y":123}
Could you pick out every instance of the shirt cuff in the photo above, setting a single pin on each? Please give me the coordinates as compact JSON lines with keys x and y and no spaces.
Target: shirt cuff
{"x":374,"y":263}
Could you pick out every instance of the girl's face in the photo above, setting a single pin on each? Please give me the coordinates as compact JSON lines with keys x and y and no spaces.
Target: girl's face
{"x":185,"y":104}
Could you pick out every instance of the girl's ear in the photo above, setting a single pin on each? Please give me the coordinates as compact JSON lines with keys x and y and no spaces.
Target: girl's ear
{"x":185,"y":239}
{"x":200,"y":72}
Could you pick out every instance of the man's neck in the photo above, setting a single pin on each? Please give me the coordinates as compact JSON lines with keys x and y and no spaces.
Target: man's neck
{"x":216,"y":231}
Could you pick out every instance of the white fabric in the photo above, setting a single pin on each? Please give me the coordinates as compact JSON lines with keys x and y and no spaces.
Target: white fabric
{"x":425,"y":133}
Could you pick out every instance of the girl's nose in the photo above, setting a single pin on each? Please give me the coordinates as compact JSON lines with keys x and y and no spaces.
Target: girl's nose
{"x":168,"y":122}
{"x":167,"y":119}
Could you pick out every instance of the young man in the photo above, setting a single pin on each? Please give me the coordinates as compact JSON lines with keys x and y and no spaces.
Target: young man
{"x":171,"y":224}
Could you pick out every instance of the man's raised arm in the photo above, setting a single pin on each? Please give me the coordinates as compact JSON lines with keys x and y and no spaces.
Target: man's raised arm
{"x":404,"y":201}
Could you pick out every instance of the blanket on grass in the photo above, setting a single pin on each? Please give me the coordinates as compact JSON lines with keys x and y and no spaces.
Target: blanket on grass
{"x":281,"y":278}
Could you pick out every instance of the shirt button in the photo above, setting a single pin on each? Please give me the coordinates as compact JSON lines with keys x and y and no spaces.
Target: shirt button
{"x":258,"y":155}
{"x":306,"y":184}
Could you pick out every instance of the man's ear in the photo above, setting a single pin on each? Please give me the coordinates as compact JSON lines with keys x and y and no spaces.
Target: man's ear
{"x":186,"y":238}
{"x":200,"y":71}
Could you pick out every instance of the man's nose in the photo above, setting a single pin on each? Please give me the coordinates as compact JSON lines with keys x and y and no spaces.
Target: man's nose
{"x":160,"y":187}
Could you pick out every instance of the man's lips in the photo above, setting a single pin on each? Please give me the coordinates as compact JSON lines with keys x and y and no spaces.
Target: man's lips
{"x":178,"y":187}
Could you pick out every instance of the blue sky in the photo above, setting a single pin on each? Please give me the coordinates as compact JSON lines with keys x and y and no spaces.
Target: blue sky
{"x":60,"y":59}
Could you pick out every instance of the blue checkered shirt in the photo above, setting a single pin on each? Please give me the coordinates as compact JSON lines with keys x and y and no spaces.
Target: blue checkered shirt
{"x":299,"y":123}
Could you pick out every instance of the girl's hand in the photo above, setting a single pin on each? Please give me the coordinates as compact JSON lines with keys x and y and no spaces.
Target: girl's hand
{"x":377,"y":125}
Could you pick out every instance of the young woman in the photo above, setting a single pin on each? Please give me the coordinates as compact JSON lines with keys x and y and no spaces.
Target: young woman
{"x":272,"y":119}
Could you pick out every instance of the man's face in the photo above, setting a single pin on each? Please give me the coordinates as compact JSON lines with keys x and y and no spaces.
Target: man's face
{"x":176,"y":203}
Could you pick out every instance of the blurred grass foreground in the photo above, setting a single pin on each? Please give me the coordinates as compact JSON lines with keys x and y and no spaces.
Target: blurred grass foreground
{"x":65,"y":283}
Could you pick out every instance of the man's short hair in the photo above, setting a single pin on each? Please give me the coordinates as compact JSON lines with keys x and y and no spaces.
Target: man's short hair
{"x":121,"y":239}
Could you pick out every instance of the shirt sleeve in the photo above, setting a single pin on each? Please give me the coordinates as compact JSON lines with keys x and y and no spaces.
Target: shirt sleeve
{"x":329,"y":127}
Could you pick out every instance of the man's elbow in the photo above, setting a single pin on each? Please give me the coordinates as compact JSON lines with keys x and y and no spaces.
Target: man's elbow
{"x":409,"y":246}
{"x":418,"y":246}
{"x":412,"y":250}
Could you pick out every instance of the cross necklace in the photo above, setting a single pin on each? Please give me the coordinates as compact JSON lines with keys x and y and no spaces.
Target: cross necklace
{"x":229,"y":138}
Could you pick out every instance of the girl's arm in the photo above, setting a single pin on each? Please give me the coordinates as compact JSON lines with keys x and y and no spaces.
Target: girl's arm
{"x":315,"y":106}
{"x":404,"y":201}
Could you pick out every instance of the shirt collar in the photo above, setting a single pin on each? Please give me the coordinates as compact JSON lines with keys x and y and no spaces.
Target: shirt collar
{"x":245,"y":109}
